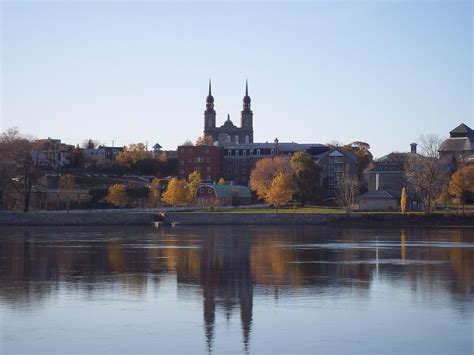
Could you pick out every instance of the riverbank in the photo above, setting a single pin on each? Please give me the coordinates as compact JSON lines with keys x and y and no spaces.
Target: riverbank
{"x":230,"y":218}
{"x":336,"y":219}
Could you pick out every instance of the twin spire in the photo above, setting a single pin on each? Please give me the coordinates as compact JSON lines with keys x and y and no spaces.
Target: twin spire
{"x":246,"y":99}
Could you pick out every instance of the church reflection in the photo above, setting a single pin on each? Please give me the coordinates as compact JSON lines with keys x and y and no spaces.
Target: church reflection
{"x":231,"y":266}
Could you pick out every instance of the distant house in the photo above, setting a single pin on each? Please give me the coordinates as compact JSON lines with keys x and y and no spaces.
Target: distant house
{"x":334,"y":163}
{"x":223,"y":195}
{"x":459,"y":146}
{"x":52,"y":154}
{"x":386,"y":182}
{"x":205,"y":159}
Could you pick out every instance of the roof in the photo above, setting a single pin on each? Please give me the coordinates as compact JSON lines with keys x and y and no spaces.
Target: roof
{"x":295,"y":147}
{"x":386,"y":168}
{"x":462,"y":129}
{"x":225,"y":191}
{"x":378,"y":194}
{"x":457,"y":144}
{"x":331,"y":152}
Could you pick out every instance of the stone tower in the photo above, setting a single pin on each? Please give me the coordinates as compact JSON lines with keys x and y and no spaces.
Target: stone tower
{"x":246,"y":117}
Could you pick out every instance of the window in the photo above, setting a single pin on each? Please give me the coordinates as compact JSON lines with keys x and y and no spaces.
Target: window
{"x":208,"y":159}
{"x":258,"y":151}
{"x":197,"y":168}
{"x":251,"y":151}
{"x":206,"y":150}
{"x":236,"y":153}
{"x":209,"y":190}
{"x":272,"y":152}
{"x":244,"y":152}
{"x":229,"y":152}
{"x":236,"y":139}
{"x":208,"y":169}
{"x":201,"y":190}
{"x":247,"y":139}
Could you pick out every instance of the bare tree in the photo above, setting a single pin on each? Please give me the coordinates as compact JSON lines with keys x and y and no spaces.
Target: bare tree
{"x":429,"y":145}
{"x":18,"y":170}
{"x":90,"y":144}
{"x":347,"y":190}
{"x":427,"y":178}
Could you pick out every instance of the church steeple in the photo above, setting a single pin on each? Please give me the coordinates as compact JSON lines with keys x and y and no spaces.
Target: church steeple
{"x":246,"y":99}
{"x":210,"y":98}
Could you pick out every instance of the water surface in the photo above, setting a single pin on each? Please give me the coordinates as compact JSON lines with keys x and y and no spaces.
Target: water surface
{"x":236,"y":289}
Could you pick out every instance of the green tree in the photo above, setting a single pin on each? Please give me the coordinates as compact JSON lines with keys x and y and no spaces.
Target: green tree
{"x":281,"y":190}
{"x":403,"y":201}
{"x":117,"y":195}
{"x":175,"y":194}
{"x":307,"y":177}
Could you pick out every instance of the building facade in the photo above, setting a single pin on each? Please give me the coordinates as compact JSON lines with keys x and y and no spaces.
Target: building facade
{"x":206,"y":159}
{"x":228,"y":132}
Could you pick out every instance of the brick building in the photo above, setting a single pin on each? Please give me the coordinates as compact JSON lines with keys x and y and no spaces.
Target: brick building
{"x":206,"y":159}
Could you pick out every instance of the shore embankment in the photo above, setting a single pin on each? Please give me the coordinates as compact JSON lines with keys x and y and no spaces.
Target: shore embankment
{"x":336,"y":219}
{"x":229,"y":218}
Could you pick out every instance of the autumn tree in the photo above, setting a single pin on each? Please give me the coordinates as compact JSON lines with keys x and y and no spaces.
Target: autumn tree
{"x":281,"y":189}
{"x":221,"y":181}
{"x":265,"y":171}
{"x":155,"y":192}
{"x":194,"y":180}
{"x":204,"y":140}
{"x":66,"y":184}
{"x":361,"y":151}
{"x":132,"y":154}
{"x":175,"y":194}
{"x":117,"y":195}
{"x":347,"y":190}
{"x":307,"y":177}
{"x":18,"y":170}
{"x":462,"y":184}
{"x":403,"y":200}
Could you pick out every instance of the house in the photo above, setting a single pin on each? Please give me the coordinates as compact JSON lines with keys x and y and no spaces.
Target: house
{"x":52,"y":154}
{"x":334,"y":164}
{"x":386,"y":182}
{"x":223,"y":195}
{"x":459,"y":146}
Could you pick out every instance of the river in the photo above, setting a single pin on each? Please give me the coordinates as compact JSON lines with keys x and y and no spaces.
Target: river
{"x":313,"y":289}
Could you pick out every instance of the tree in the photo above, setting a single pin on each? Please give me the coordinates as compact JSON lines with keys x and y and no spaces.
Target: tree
{"x":429,"y":145}
{"x":347,"y":190}
{"x":194,"y":180}
{"x":66,"y":184}
{"x":18,"y":170}
{"x":155,"y":192}
{"x":204,"y":140}
{"x":175,"y":194}
{"x":403,"y":200}
{"x":132,"y":154}
{"x":281,"y":190}
{"x":361,"y":150}
{"x":221,"y":181}
{"x":427,"y":178}
{"x":462,"y":183}
{"x":265,"y":171}
{"x":307,"y":177}
{"x":117,"y":195}
{"x":188,"y":142}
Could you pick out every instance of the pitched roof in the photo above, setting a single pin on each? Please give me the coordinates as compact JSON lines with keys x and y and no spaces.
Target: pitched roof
{"x":229,"y":190}
{"x":378,"y":194}
{"x":457,"y":144}
{"x":331,"y":151}
{"x":462,"y":128}
{"x":386,"y":168}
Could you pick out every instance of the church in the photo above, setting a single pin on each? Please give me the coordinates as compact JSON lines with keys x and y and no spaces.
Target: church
{"x":229,"y":133}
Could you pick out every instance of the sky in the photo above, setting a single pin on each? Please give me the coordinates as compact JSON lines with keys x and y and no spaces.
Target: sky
{"x":122,"y":72}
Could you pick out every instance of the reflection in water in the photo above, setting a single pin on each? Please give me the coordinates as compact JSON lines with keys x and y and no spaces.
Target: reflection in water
{"x":233,"y":265}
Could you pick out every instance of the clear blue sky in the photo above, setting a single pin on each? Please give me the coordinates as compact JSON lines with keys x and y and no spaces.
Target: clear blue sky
{"x":381,"y":72}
